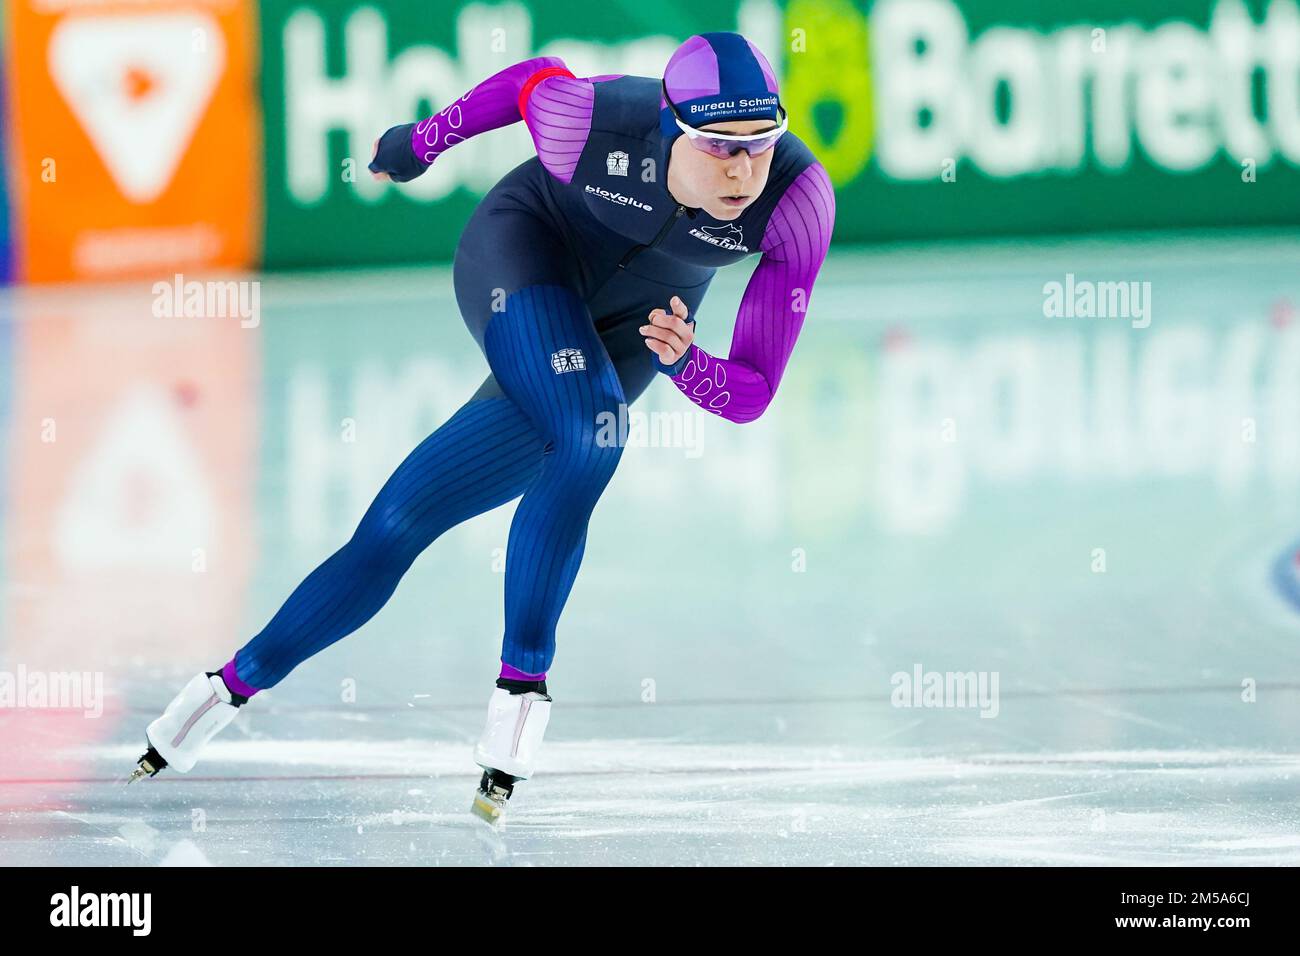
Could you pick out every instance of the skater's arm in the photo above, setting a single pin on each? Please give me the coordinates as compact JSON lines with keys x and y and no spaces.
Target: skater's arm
{"x":555,"y":105}
{"x":741,"y":386}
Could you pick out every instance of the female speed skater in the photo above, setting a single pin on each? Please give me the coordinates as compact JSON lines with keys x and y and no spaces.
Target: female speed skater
{"x":578,"y":276}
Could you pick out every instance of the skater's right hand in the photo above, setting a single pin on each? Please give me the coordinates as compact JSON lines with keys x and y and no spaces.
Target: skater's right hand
{"x":669,"y":336}
{"x":393,"y":158}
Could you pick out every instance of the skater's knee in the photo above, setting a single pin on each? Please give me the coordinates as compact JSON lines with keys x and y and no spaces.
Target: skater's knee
{"x":587,"y":464}
{"x":387,"y":538}
{"x":592,"y":442}
{"x":602,"y":448}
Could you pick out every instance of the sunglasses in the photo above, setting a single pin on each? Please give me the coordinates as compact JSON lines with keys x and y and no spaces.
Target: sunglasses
{"x":723,"y":145}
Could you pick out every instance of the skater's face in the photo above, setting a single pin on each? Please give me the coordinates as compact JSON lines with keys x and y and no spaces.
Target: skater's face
{"x":724,"y":187}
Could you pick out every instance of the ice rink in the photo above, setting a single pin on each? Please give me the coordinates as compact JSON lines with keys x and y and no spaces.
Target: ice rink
{"x":1098,"y":517}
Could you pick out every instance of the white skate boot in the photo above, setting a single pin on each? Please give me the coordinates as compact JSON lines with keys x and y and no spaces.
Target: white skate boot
{"x":197,"y":713}
{"x":508,"y":749}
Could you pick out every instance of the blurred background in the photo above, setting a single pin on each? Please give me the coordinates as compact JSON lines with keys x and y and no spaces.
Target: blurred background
{"x":1043,"y":423}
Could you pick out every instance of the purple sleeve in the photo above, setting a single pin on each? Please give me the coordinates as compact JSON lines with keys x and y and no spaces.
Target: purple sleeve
{"x":558,"y":115}
{"x":741,"y":386}
{"x":559,"y":119}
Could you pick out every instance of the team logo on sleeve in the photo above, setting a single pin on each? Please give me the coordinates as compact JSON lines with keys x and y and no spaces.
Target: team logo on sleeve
{"x":616,"y":163}
{"x":568,"y":360}
{"x":726,"y":236}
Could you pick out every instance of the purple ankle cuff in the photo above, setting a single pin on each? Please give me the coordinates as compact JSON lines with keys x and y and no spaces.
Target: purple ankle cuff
{"x":233,"y":682}
{"x":514,"y":673}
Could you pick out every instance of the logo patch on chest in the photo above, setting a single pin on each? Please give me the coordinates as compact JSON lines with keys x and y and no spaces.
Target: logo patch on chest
{"x":618,"y":198}
{"x":616,"y":163}
{"x":726,"y":236}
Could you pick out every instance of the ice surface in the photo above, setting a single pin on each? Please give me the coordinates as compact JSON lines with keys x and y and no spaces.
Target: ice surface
{"x":723,"y":697}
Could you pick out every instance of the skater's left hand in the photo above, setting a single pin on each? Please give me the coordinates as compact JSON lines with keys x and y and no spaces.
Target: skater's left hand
{"x":669,"y":335}
{"x":392,"y":158}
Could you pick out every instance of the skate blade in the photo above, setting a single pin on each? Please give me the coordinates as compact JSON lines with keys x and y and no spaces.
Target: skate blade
{"x":142,"y":770}
{"x":486,"y":809}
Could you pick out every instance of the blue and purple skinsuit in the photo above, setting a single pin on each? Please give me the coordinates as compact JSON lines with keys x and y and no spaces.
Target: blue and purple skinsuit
{"x":555,"y":272}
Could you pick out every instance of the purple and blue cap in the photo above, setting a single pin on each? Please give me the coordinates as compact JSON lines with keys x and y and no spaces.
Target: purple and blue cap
{"x":717,"y":78}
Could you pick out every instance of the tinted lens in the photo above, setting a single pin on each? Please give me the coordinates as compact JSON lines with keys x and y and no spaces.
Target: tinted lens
{"x":761,"y":145}
{"x":723,"y":148}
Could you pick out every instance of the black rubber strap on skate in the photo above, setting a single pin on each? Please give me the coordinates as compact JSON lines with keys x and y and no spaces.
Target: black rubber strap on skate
{"x":237,"y":699}
{"x":498,"y":778}
{"x":522,"y":686}
{"x":155,"y":760}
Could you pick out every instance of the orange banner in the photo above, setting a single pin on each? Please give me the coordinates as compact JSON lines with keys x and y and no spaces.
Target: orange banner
{"x":137,"y":143}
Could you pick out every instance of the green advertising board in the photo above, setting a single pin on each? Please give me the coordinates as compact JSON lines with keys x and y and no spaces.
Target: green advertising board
{"x":933,"y":117}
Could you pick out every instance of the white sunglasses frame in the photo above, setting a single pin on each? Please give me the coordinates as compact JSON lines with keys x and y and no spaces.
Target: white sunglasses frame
{"x":694,"y":133}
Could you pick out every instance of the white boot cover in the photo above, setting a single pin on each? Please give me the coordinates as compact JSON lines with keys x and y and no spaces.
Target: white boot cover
{"x":197,"y":713}
{"x":512,"y":736}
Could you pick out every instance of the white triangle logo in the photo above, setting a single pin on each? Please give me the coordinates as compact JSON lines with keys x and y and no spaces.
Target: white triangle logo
{"x":138,"y":85}
{"x":140,"y":497}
